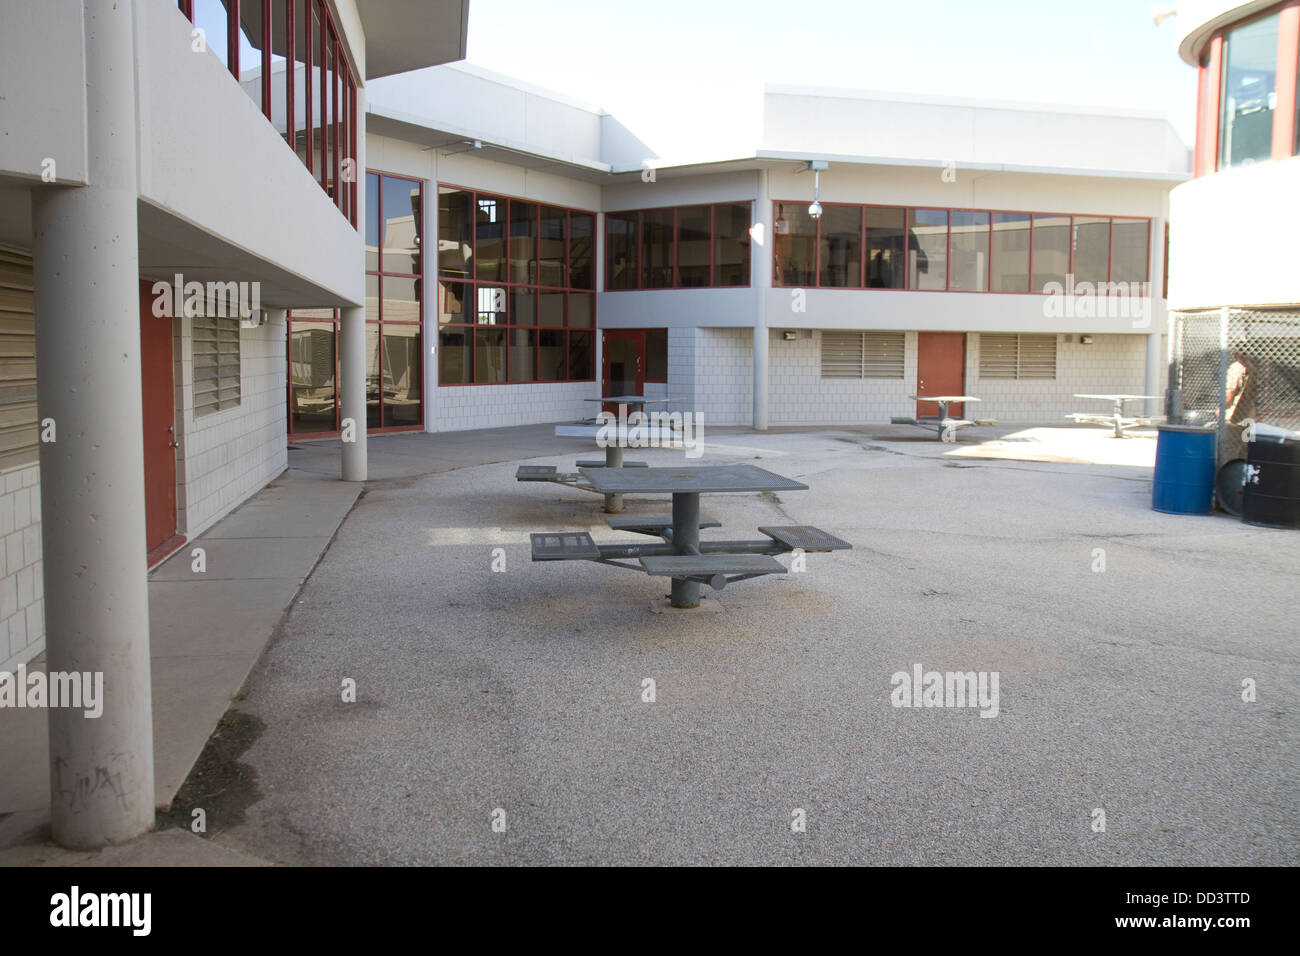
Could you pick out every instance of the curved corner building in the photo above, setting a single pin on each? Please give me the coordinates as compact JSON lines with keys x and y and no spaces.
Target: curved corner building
{"x":1234,"y":283}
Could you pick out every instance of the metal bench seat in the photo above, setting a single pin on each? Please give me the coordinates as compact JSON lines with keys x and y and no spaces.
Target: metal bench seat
{"x":710,"y":565}
{"x":655,"y":524}
{"x":536,"y":473}
{"x":805,"y":538}
{"x":564,"y":546}
{"x":600,"y":463}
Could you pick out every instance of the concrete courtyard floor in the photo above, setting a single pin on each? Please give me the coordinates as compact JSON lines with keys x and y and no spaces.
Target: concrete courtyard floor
{"x":522,"y":691}
{"x":519,"y":695}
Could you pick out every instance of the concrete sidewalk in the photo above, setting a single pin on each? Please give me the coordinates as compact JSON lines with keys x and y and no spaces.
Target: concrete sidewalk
{"x":208,"y":628}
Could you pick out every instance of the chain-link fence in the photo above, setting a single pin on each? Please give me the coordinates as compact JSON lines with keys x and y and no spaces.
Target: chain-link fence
{"x":1232,"y":367}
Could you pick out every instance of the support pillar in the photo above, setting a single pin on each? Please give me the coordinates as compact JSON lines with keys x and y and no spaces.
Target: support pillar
{"x":760,"y":377}
{"x":352,"y":337}
{"x":761,"y":279}
{"x":352,"y":391}
{"x":1152,"y":387}
{"x":87,"y":273}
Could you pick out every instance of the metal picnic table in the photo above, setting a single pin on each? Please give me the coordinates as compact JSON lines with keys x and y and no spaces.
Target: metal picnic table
{"x":682,"y":556}
{"x":613,"y":451}
{"x":1116,"y":418}
{"x":945,"y":427}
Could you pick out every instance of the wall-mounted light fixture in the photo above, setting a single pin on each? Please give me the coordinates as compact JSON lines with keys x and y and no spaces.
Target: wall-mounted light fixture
{"x":790,"y":335}
{"x":1085,"y":340}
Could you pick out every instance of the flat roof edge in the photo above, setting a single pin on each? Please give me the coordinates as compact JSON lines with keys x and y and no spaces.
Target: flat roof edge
{"x":407,"y":121}
{"x":1155,"y":174}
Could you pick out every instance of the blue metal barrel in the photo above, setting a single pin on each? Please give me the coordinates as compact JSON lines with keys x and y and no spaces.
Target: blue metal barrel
{"x":1184,"y":477}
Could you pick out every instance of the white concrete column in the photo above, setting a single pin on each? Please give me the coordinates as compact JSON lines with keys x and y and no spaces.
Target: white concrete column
{"x":352,"y":336}
{"x":431,"y":299}
{"x":87,"y":272}
{"x":760,"y":377}
{"x":760,"y":278}
{"x":1155,"y":358}
{"x":1159,"y":317}
{"x":352,"y":391}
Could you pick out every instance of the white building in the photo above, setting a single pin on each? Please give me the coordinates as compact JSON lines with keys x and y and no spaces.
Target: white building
{"x":163,"y":155}
{"x":1233,"y":246}
{"x":944,"y":222}
{"x":146,"y":145}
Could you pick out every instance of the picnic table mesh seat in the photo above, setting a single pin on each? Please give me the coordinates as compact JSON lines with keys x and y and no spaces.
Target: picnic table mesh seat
{"x":805,"y":538}
{"x":564,"y":546}
{"x":535,"y":473}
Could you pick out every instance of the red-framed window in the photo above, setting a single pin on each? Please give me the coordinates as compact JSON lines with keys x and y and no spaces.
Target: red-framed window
{"x":516,"y":290}
{"x":1248,"y":110}
{"x":313,"y":347}
{"x":852,"y":246}
{"x":288,"y":57}
{"x":394,"y":323}
{"x":678,"y":247}
{"x":394,"y":302}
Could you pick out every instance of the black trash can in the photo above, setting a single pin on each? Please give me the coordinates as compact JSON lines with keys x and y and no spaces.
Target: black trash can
{"x":1271,"y":493}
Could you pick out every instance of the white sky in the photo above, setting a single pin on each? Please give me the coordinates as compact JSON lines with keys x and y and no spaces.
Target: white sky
{"x":686,"y":75}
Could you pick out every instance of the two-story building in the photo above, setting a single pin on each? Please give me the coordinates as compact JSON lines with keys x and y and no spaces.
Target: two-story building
{"x":175,"y":175}
{"x":1011,"y":251}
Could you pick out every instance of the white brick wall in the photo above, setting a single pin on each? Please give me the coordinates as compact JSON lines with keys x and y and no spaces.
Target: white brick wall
{"x":1111,"y":364}
{"x":798,"y":395}
{"x":712,"y":369}
{"x":496,"y":406}
{"x":22,"y":604}
{"x":226,"y":456}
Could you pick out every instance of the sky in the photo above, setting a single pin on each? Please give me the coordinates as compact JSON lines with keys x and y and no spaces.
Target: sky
{"x":686,"y":76}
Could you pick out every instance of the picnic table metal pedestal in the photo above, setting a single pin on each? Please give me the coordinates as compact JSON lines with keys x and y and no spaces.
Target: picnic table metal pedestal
{"x":614,"y":453}
{"x":614,"y":460}
{"x":686,"y":540}
{"x":945,"y":427}
{"x":713,"y":562}
{"x":1117,"y":418}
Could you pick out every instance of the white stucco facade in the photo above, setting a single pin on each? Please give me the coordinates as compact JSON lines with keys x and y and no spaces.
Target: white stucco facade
{"x":470,"y":128}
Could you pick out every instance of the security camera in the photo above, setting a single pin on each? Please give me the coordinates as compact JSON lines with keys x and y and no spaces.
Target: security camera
{"x":815,"y":210}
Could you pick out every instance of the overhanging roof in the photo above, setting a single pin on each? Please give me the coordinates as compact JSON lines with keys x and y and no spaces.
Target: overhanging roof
{"x":404,"y":35}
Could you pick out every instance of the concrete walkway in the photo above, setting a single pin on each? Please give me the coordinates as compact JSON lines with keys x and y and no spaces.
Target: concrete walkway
{"x":208,"y":628}
{"x":522,"y":691}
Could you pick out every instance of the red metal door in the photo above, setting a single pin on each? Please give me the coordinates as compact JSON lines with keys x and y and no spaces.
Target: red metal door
{"x":159,"y":429}
{"x":940,"y":370}
{"x":622,"y":364}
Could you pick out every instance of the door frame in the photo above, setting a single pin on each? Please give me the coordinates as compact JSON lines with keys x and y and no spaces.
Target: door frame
{"x":634,"y":335}
{"x":152,"y":400}
{"x":931,"y":409}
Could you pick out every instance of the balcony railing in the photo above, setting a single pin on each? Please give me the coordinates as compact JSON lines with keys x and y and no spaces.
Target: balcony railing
{"x":289,"y":59}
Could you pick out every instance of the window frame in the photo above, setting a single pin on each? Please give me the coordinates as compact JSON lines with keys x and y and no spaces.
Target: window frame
{"x":1019,"y":375}
{"x":674,"y":255}
{"x":1211,"y":68}
{"x":898,"y":341}
{"x":337,"y":87}
{"x":209,"y":314}
{"x":567,"y":330}
{"x":908,"y":209}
